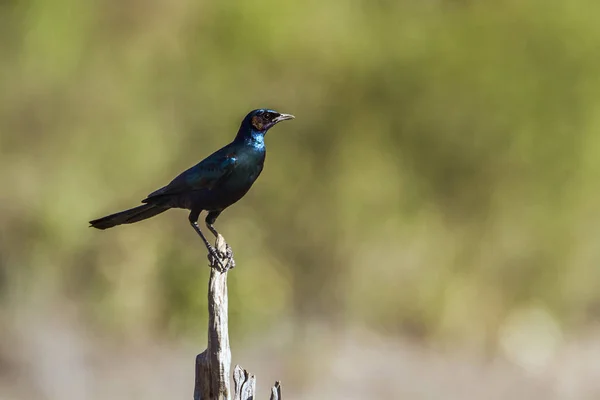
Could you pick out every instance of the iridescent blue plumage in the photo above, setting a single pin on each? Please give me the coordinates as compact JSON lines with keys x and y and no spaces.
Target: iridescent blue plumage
{"x":213,"y":184}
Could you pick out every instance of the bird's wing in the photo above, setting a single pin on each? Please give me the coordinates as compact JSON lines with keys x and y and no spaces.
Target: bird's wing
{"x":204,"y":175}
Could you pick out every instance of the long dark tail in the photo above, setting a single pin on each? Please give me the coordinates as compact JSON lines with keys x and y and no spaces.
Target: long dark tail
{"x":128,"y":216}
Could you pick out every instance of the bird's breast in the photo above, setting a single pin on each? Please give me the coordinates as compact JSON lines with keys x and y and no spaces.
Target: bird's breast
{"x":248,"y":167}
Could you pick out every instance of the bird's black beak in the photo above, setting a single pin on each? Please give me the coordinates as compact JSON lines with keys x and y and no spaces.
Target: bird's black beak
{"x":283,"y":117}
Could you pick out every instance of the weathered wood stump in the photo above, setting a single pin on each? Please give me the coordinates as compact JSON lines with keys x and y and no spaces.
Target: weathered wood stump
{"x":213,"y":365}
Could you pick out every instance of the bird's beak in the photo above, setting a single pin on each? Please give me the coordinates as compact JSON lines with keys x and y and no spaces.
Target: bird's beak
{"x":283,"y":117}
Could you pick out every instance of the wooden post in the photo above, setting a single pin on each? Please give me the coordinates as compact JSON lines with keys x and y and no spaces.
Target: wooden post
{"x":213,"y":364}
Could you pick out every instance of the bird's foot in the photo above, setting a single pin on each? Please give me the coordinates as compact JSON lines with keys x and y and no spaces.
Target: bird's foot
{"x":215,"y":259}
{"x":228,"y":255}
{"x":222,"y":260}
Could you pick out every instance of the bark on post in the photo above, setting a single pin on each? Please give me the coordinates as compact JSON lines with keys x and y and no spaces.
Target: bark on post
{"x":213,"y":364}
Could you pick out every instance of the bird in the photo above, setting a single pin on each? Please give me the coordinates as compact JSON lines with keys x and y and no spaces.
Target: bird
{"x":212,"y":185}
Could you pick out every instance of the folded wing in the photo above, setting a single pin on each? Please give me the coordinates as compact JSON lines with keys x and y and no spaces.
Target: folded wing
{"x":205,"y":175}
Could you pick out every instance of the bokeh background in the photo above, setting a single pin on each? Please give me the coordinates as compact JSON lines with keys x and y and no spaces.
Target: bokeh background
{"x":428,"y":227}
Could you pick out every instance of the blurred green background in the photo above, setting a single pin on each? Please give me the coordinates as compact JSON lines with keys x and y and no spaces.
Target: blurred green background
{"x":439,"y":186}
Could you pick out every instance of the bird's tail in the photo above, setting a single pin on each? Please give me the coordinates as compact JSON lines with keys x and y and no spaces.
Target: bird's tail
{"x":128,"y":216}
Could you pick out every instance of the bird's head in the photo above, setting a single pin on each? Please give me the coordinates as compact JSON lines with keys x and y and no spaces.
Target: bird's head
{"x":263,"y":119}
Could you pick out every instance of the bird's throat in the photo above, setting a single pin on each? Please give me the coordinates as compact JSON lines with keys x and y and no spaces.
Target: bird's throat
{"x":255,"y":139}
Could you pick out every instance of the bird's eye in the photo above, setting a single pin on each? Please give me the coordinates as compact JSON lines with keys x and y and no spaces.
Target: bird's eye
{"x":267,"y":115}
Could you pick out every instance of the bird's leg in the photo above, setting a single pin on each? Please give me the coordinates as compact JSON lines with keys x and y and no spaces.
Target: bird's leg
{"x":210,"y":220}
{"x":193,"y":218}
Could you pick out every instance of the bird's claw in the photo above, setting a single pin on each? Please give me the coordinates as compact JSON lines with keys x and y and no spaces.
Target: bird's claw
{"x":217,"y":257}
{"x":229,"y":256}
{"x":214,"y":258}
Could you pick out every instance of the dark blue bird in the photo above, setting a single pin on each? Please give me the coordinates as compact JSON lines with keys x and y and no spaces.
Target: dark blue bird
{"x":212,"y":185}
